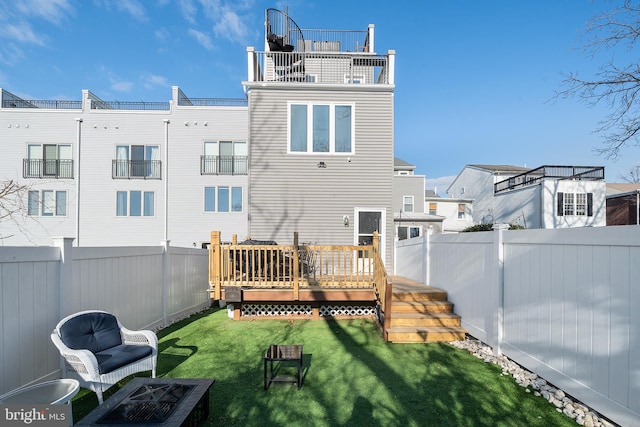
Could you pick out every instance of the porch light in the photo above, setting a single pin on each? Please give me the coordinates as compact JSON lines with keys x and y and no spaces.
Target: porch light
{"x":322,"y":165}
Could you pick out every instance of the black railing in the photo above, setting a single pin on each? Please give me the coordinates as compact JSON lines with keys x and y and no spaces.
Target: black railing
{"x":213,"y":102}
{"x":51,"y":104}
{"x":223,"y":165}
{"x":587,"y":173}
{"x":39,"y":168}
{"x":117,"y":105}
{"x":136,"y":169}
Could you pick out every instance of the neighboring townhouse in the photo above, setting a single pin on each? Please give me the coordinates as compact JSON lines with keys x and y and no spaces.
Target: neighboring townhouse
{"x":124,"y":173}
{"x":457,"y":212}
{"x":544,"y":197}
{"x":321,"y":127}
{"x":623,"y":204}
{"x":409,"y":215}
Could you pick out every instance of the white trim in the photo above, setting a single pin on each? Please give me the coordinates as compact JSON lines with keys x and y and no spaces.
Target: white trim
{"x":332,"y":114}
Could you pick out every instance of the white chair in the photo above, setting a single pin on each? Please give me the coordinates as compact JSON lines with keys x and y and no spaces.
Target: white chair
{"x":98,"y":351}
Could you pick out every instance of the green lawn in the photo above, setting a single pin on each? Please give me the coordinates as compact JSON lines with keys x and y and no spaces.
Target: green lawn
{"x":351,"y":378}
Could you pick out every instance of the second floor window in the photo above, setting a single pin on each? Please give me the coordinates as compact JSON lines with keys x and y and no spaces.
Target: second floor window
{"x":47,"y":203}
{"x":461,"y":210}
{"x":407,"y":204}
{"x":320,"y":128}
{"x":137,"y":161}
{"x":135,"y":203}
{"x":433,"y":208}
{"x":48,"y":161}
{"x":224,"y":158}
{"x":578,"y":204}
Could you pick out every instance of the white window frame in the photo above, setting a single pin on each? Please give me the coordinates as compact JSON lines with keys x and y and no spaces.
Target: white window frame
{"x":47,"y":203}
{"x":405,"y":204}
{"x":462,"y":213}
{"x":332,"y":120}
{"x":144,"y":206}
{"x":216,"y":194}
{"x":356,"y":79}
{"x":409,"y":228}
{"x":435,"y":209}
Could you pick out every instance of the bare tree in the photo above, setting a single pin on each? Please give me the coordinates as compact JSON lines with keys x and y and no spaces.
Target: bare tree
{"x":616,"y":85}
{"x":632,"y":176}
{"x":12,"y":196}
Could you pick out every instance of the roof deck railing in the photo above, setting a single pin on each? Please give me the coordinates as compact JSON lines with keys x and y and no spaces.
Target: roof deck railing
{"x":532,"y":177}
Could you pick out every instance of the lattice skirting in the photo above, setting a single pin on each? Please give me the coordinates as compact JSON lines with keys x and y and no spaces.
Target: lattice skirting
{"x":306,"y":310}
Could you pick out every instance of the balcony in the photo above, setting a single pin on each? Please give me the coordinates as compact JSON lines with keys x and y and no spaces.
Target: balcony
{"x":336,"y":57}
{"x":534,"y":176}
{"x":223,"y":165}
{"x":136,"y":169}
{"x":40,"y":168}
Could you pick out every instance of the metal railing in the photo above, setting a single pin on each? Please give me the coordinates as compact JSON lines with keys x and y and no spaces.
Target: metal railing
{"x":50,"y":104}
{"x":126,"y":105}
{"x":224,"y":165}
{"x":532,"y":177}
{"x":322,"y":68}
{"x":40,"y":168}
{"x":213,"y":102}
{"x":336,"y":40}
{"x":141,"y":169}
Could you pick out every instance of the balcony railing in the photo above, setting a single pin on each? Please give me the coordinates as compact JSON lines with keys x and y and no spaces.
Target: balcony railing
{"x":589,"y":173}
{"x":136,"y":169}
{"x":223,"y":165}
{"x":336,"y":40}
{"x":321,"y":68}
{"x":51,"y":104}
{"x":39,"y":168}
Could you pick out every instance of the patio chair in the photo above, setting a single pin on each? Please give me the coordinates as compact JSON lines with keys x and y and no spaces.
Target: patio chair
{"x":98,"y":351}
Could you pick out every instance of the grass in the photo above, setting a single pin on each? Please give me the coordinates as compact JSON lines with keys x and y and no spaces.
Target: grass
{"x":351,"y":378}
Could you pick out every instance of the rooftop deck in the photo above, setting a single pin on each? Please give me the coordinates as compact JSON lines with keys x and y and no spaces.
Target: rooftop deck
{"x":534,"y":176}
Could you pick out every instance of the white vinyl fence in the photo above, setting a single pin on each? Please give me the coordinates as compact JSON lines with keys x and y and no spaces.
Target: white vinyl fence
{"x":563,"y":303}
{"x":145,"y":287}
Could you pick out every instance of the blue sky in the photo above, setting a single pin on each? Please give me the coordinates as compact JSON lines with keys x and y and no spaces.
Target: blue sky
{"x":473,"y":78}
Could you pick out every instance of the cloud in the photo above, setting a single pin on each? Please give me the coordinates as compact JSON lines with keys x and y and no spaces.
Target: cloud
{"x":201,"y":38}
{"x":440,"y":184}
{"x":54,"y":11}
{"x":188,"y":10}
{"x":130,"y":7}
{"x":121,"y":86}
{"x":152,"y":81}
{"x":16,"y":19}
{"x":230,"y":26}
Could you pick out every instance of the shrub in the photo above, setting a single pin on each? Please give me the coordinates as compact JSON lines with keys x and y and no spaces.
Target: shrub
{"x":489,"y":227}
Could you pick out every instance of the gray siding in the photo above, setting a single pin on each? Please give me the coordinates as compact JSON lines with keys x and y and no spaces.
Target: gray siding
{"x":288,"y":192}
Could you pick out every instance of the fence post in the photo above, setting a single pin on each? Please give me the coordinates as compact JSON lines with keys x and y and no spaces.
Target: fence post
{"x":296,"y":284}
{"x":498,"y":250}
{"x":165,"y":279}
{"x":65,"y":276}
{"x":426,"y":255}
{"x":214,"y":265}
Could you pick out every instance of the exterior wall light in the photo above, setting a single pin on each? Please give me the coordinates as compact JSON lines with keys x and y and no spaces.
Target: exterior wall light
{"x":345,"y":220}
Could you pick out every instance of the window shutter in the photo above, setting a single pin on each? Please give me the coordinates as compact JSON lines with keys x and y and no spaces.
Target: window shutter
{"x":589,"y":204}
{"x":560,"y":204}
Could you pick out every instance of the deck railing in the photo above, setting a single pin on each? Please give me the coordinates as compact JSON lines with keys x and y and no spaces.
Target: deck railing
{"x":295,"y":266}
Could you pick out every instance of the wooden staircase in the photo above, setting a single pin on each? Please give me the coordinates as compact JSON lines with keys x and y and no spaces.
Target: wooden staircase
{"x":421,"y":313}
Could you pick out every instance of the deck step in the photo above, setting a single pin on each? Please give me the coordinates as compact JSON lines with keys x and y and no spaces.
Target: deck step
{"x":425,"y":319}
{"x":408,"y":334}
{"x":421,"y":307}
{"x":430,"y":294}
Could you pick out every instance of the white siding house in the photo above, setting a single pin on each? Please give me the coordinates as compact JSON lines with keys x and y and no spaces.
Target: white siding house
{"x":544,"y":197}
{"x":118,"y":173}
{"x":457,"y":212}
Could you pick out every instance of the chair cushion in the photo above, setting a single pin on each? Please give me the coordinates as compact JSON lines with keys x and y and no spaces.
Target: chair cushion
{"x":121,"y":355}
{"x":91,"y":331}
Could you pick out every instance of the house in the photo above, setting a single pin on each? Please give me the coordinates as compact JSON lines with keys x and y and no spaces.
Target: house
{"x":309,"y":150}
{"x":457,"y":212}
{"x":409,"y":215}
{"x":321,"y":110}
{"x":544,"y":197}
{"x":124,"y":173}
{"x":623,"y":207}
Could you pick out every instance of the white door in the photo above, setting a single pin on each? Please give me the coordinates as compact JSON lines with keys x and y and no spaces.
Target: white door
{"x":368,"y":221}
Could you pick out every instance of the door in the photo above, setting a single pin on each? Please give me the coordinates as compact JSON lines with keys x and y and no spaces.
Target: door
{"x":368,"y":221}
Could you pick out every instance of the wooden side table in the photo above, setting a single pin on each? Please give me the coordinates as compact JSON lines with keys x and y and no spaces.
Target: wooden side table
{"x":282,"y":353}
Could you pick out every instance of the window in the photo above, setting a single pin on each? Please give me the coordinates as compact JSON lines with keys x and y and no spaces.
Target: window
{"x":137,"y":161}
{"x":224,"y":158}
{"x":47,"y":203}
{"x":407,"y":203}
{"x":320,"y":128}
{"x":355,"y":79}
{"x":48,"y":161}
{"x":229,"y":199}
{"x":135,"y":203}
{"x":408,"y":232}
{"x":578,"y":204}
{"x":461,"y":210}
{"x":433,"y":208}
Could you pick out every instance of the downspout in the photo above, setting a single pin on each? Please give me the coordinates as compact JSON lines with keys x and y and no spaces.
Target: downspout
{"x":166,"y":179}
{"x":78,"y":139}
{"x":637,"y":207}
